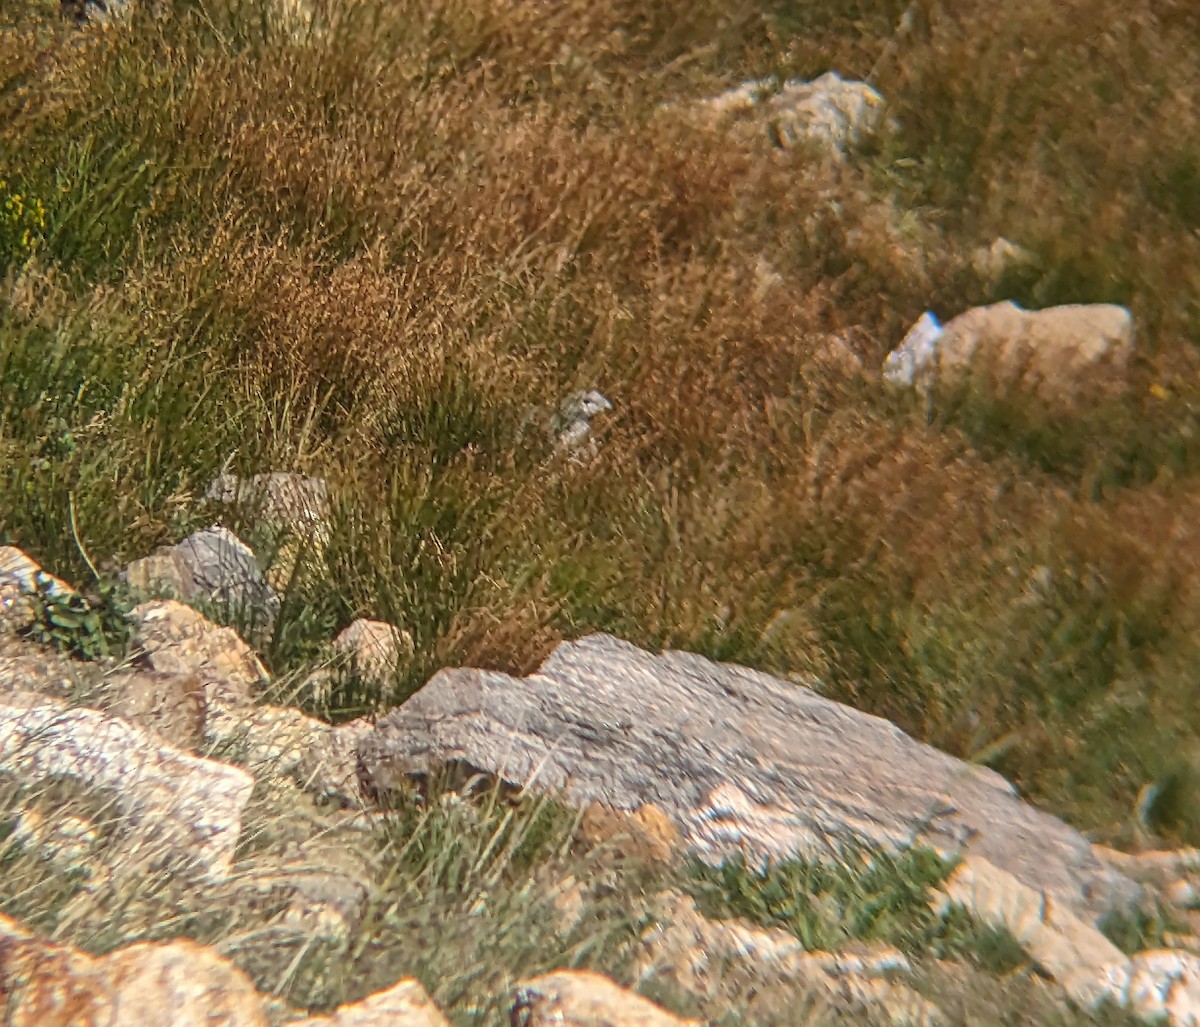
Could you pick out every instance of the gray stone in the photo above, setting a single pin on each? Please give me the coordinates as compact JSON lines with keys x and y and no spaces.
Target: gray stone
{"x":1159,"y":985}
{"x":745,"y":764}
{"x":704,"y":957}
{"x":215,"y":566}
{"x":283,"y":500}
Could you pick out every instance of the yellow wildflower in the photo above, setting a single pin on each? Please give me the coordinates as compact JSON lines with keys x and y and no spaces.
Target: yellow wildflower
{"x":1158,"y":392}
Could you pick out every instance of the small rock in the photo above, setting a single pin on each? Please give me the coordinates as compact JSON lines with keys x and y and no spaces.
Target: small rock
{"x":173,"y":639}
{"x":1160,"y":984}
{"x":144,"y":985}
{"x":1053,"y":354}
{"x":1165,"y":984}
{"x":173,"y":804}
{"x":374,"y":650}
{"x":695,"y":954}
{"x":1057,"y":940}
{"x":320,"y":758}
{"x":576,"y":998}
{"x":1160,"y":868}
{"x":213,"y":565}
{"x":325,"y":905}
{"x":405,"y":1004}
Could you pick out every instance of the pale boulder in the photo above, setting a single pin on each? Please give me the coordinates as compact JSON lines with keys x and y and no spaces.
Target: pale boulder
{"x":1158,"y":985}
{"x":175,"y":807}
{"x":745,"y":765}
{"x":178,"y":983}
{"x":405,"y":1004}
{"x":697,"y":955}
{"x":1059,"y":355}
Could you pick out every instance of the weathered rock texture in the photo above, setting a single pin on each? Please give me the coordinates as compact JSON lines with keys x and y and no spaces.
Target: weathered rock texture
{"x":403,"y":1005}
{"x":745,"y":764}
{"x":1059,"y":355}
{"x":1155,"y":984}
{"x":173,"y":805}
{"x":212,"y":565}
{"x":145,"y":985}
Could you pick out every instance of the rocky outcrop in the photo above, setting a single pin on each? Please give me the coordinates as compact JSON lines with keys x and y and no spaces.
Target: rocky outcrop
{"x":145,"y":985}
{"x":1055,"y":355}
{"x":172,"y":807}
{"x":746,"y":765}
{"x":664,"y":755}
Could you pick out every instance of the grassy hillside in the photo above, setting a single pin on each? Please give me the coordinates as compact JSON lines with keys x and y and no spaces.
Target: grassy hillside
{"x":363,"y":250}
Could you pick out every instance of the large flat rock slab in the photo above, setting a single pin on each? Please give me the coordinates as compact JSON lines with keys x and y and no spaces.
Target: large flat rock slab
{"x":747,"y":765}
